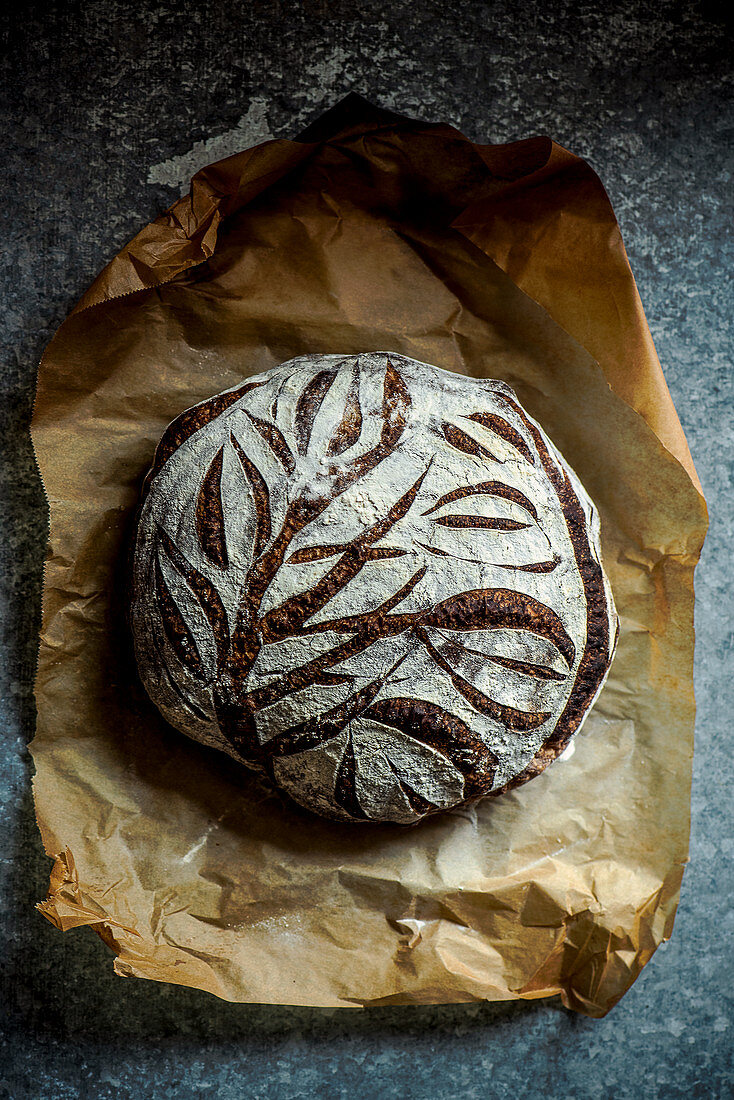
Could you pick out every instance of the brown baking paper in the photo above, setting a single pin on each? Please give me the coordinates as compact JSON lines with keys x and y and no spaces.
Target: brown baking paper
{"x":371,"y":233}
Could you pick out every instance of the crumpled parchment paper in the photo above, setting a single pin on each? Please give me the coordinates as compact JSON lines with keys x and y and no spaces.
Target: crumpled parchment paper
{"x":371,"y":232}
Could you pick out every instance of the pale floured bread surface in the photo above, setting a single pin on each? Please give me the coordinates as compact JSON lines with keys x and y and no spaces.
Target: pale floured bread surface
{"x":374,"y":579}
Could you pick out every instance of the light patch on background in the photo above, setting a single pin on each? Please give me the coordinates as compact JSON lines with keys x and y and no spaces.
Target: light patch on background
{"x":252,"y":129}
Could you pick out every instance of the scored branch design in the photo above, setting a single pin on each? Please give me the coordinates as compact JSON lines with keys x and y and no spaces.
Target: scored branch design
{"x":312,"y":581}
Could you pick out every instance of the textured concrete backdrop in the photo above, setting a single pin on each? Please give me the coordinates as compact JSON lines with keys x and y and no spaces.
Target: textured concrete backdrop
{"x":108,"y":107}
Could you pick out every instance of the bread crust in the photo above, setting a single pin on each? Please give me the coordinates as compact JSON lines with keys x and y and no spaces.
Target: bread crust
{"x":374,"y":580}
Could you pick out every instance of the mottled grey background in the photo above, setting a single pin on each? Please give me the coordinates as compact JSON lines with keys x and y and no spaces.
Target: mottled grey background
{"x":107,"y":109}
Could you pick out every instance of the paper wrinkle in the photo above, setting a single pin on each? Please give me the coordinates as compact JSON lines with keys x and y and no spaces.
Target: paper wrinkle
{"x":373,"y":233}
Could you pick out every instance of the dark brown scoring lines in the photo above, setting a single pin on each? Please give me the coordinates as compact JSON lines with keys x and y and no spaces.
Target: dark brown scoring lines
{"x":599,"y":647}
{"x":237,"y":707}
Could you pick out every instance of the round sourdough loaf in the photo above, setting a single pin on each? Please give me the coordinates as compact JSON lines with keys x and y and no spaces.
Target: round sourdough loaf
{"x":376,"y":580}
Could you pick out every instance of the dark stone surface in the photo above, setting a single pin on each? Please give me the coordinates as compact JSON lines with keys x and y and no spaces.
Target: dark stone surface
{"x":107,"y":108}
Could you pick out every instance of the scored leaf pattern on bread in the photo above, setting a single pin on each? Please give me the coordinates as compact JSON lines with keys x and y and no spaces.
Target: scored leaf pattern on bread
{"x":315,"y":446}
